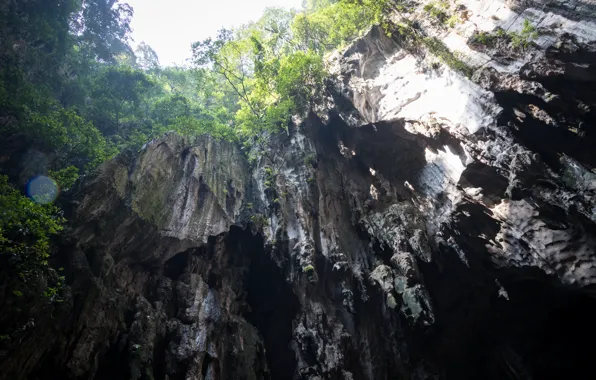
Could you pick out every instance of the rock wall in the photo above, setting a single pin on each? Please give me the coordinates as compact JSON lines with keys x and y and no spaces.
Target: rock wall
{"x":435,"y":219}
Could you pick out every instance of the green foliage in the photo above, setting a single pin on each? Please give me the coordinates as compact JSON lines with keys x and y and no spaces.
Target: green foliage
{"x":310,"y":159}
{"x":52,"y":293}
{"x":88,"y":96}
{"x":26,"y":229}
{"x":484,"y":38}
{"x":65,"y":177}
{"x":269,"y":172}
{"x":275,"y":66}
{"x":63,"y":130}
{"x":118,"y":94}
{"x":39,"y":86}
{"x":452,"y":21}
{"x":102,"y":28}
{"x":436,"y":47}
{"x":437,"y":9}
{"x":300,"y":79}
{"x":448,"y":57}
{"x":270,"y":176}
{"x":259,"y":220}
{"x":168,"y":109}
{"x":525,"y":36}
{"x":332,"y":26}
{"x":49,"y":51}
{"x":71,"y":85}
{"x":308,"y":269}
{"x":315,"y":5}
{"x":146,"y":58}
{"x":190,"y":126}
{"x":441,"y":11}
{"x":50,"y":126}
{"x":519,"y":40}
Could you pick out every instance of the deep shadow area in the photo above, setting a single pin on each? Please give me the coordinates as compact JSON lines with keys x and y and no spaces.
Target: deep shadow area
{"x":548,"y":330}
{"x":536,"y":329}
{"x":565,"y":120}
{"x":273,"y":305}
{"x":478,"y":174}
{"x":547,"y":140}
{"x":377,"y":146}
{"x":114,"y":364}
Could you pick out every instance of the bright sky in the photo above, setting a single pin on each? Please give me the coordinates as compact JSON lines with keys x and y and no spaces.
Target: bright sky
{"x":171,"y":26}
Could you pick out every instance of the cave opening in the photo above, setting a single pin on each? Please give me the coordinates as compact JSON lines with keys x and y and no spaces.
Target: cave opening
{"x":545,"y":329}
{"x":273,"y":305}
{"x":114,"y":363}
{"x":538,"y":331}
{"x":177,"y":265}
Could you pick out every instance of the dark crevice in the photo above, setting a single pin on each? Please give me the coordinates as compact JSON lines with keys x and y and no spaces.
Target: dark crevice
{"x":547,"y":140}
{"x":204,"y":193}
{"x":546,"y":326}
{"x":381,"y":338}
{"x":273,"y":306}
{"x":177,"y":266}
{"x":377,"y":146}
{"x":230,"y":196}
{"x":210,"y":363}
{"x":383,"y":252}
{"x":159,"y":359}
{"x":538,"y":329}
{"x":553,"y":217}
{"x":113,"y":365}
{"x":50,"y":368}
{"x":476,"y":230}
{"x":478,"y":174}
{"x":181,"y":370}
{"x":566,"y":123}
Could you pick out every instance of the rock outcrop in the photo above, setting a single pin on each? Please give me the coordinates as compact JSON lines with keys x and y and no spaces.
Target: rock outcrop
{"x":435,"y":220}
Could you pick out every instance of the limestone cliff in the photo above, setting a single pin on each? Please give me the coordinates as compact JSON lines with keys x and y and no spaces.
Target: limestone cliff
{"x":435,"y":219}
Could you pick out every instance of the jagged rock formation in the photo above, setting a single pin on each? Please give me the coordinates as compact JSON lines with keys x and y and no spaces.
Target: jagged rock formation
{"x":425,"y":225}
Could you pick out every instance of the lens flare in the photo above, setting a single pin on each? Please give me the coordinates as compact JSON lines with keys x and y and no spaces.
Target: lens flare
{"x":42,"y":190}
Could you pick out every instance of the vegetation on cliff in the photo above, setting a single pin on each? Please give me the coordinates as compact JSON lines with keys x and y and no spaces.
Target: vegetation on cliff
{"x":71,"y":84}
{"x":73,"y":89}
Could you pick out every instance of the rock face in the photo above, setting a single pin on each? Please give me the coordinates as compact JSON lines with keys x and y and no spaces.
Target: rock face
{"x":173,"y":196}
{"x":435,"y":221}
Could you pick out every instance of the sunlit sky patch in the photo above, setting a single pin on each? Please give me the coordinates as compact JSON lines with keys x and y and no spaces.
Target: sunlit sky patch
{"x":171,"y":26}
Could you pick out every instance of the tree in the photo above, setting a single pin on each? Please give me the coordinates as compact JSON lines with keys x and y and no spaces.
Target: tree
{"x":300,"y":79}
{"x":102,"y":28}
{"x":168,"y":109}
{"x":267,"y":69}
{"x":49,"y":51}
{"x":325,"y":27}
{"x":118,"y":92}
{"x":315,"y":5}
{"x":25,"y":230}
{"x":229,"y":57}
{"x":70,"y":84}
{"x":146,"y":57}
